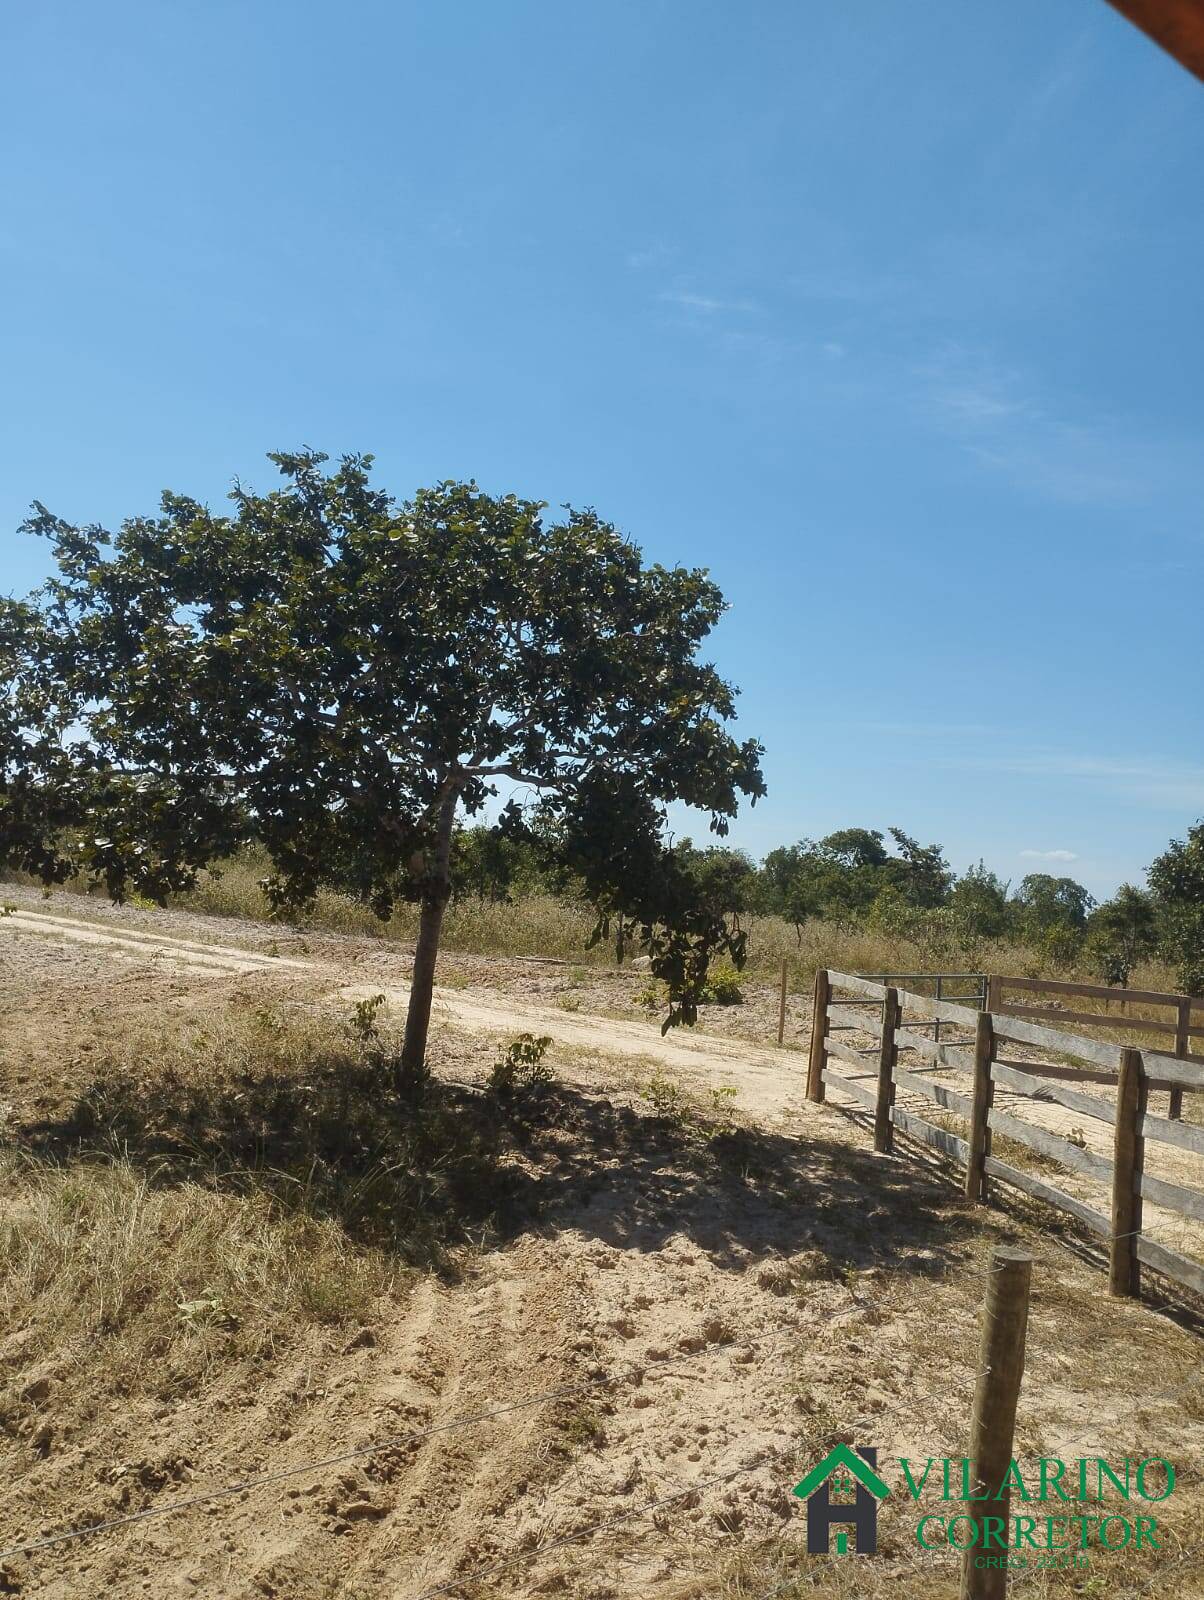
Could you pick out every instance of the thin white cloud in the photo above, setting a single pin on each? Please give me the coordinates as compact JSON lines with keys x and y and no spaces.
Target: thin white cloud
{"x":1048,"y":855}
{"x":1166,"y":785}
{"x":1163,"y":783}
{"x":998,"y":417}
{"x":653,"y":256}
{"x":705,"y":303}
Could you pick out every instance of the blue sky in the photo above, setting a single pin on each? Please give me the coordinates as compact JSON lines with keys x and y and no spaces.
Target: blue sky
{"x":890,"y":315}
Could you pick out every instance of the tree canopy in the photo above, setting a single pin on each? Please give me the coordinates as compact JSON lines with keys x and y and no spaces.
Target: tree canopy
{"x":844,"y":874}
{"x":337,"y":675}
{"x":1176,"y":878}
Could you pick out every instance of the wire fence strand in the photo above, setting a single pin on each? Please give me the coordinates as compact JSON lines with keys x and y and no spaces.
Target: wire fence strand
{"x":594,"y":1527}
{"x":374,"y":1447}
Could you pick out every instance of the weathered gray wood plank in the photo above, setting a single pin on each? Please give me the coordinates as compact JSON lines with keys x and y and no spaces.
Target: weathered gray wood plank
{"x":1051,"y":1145}
{"x":1067,"y":1044}
{"x":1163,"y":1069}
{"x":1170,"y":1263}
{"x":1042,"y":1089}
{"x":937,"y":1010}
{"x":1098,"y":991}
{"x":1094,"y":1019}
{"x":1184,"y":1134}
{"x":949,"y":1098}
{"x":835,"y":1081}
{"x":1040,"y":1190}
{"x":846,"y":980}
{"x":959,"y":1057}
{"x":1174,"y":1196}
{"x":846,"y":1052}
{"x":938,"y":1138}
{"x":852,"y":1019}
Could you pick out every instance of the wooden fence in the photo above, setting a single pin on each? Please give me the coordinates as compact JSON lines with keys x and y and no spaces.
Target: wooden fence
{"x":841,"y":1002}
{"x":1186,"y":1023}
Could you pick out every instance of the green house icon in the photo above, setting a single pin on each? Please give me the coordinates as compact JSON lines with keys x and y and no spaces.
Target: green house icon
{"x":842,"y":1457}
{"x":823,"y":1512}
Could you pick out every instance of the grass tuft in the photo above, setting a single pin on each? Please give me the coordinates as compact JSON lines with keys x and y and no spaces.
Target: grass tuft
{"x":109,"y":1272}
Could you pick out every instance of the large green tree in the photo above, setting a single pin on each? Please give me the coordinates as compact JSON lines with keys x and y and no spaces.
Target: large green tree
{"x":340,"y":676}
{"x":978,"y":902}
{"x":1176,"y":878}
{"x":919,"y":872}
{"x":1046,"y":902}
{"x":1121,"y":931}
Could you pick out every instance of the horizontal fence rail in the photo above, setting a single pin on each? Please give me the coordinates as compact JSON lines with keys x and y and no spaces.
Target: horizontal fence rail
{"x":890,"y":1016}
{"x":1185,"y":1022}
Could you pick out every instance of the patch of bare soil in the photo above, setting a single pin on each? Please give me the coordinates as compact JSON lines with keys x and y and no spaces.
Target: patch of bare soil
{"x":701,"y":1295}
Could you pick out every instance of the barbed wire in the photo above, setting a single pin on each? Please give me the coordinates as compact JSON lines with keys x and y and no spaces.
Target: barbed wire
{"x":595,"y":1527}
{"x":638,"y":1372}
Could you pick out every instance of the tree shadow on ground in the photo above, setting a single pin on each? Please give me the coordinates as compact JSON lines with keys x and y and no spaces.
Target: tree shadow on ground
{"x":460,"y":1164}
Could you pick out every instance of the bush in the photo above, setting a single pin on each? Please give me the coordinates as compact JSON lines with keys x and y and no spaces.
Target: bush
{"x":651,"y":996}
{"x":521,"y":1066}
{"x":722,"y":987}
{"x":1061,"y":946}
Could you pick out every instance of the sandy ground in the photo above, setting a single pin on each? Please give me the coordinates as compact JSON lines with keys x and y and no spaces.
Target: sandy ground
{"x":722,"y":1309}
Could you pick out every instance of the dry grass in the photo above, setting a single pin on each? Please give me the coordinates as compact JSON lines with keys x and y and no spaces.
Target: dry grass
{"x":107,"y":1273}
{"x":778,"y":1569}
{"x":214,"y":1191}
{"x":295,"y":1111}
{"x":535,"y":925}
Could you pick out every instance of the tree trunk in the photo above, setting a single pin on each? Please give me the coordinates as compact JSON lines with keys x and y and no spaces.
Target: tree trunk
{"x":430,"y":923}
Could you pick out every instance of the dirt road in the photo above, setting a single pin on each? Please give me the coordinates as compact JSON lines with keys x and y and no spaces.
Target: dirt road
{"x":770,"y":1082}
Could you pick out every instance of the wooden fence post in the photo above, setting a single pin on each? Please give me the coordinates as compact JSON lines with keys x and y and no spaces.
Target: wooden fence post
{"x":980,"y":1106}
{"x":993,"y":1420}
{"x":819,"y":1030}
{"x":884,"y":1132}
{"x":1128,"y":1159}
{"x":782,"y":1006}
{"x":936,"y":1021}
{"x":992,"y":996}
{"x":1182,"y":1047}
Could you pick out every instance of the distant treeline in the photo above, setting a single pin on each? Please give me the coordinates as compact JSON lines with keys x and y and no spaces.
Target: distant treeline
{"x":888,"y":882}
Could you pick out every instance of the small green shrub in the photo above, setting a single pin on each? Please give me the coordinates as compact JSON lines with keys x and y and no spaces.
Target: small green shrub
{"x":722,"y":986}
{"x":521,"y":1065}
{"x":580,"y":1425}
{"x":665,"y":1096}
{"x":363,"y":1019}
{"x":699,"y":1121}
{"x":649,"y":997}
{"x":722,"y":1107}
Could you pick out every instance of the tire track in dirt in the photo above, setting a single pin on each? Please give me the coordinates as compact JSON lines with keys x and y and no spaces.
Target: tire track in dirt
{"x":414,"y":1514}
{"x":136,"y":941}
